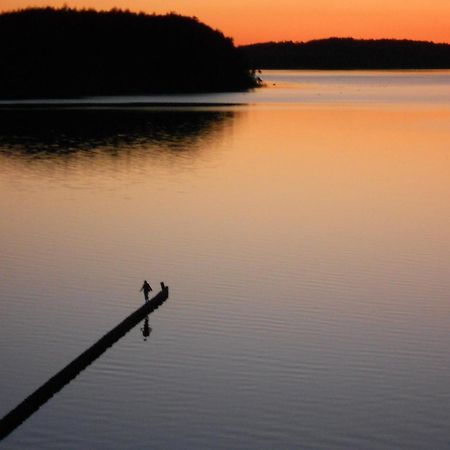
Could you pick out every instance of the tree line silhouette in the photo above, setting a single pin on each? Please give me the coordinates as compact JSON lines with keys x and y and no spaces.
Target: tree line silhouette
{"x":47,"y":52}
{"x":348,"y":53}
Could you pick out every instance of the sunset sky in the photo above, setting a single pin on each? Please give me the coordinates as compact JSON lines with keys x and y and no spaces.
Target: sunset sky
{"x":250,"y":21}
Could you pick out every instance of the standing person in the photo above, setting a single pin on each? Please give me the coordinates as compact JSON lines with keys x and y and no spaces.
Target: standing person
{"x":146,"y":288}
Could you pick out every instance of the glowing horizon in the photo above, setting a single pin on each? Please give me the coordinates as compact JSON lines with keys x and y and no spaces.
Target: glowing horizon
{"x":254,"y":21}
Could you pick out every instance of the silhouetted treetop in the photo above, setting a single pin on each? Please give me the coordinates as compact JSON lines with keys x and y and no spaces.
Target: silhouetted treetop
{"x":348,"y":53}
{"x":46,"y":52}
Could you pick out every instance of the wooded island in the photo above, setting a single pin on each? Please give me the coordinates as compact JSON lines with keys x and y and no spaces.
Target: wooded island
{"x":47,"y":52}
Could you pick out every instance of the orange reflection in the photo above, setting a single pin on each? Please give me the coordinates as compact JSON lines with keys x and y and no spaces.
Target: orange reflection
{"x":354,"y":199}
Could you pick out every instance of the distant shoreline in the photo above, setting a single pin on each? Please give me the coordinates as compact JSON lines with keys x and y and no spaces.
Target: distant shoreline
{"x":124,"y":102}
{"x":348,"y":54}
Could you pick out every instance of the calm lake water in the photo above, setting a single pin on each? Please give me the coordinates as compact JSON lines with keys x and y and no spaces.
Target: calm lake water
{"x":303,"y":230}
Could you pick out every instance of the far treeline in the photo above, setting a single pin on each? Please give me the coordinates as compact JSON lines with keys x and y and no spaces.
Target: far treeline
{"x":348,"y":53}
{"x":47,"y":52}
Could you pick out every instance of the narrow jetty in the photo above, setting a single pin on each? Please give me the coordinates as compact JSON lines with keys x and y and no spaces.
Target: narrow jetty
{"x":34,"y":401}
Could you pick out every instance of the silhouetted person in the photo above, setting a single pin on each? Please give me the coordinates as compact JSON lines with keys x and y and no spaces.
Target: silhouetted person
{"x":146,"y":288}
{"x":146,"y":330}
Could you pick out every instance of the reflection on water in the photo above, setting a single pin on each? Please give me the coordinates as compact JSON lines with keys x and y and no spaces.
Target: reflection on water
{"x":146,"y":330}
{"x":307,"y":250}
{"x":44,"y":133}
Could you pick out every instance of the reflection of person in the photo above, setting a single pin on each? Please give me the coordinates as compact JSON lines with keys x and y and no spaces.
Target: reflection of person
{"x":146,"y":329}
{"x":146,"y":288}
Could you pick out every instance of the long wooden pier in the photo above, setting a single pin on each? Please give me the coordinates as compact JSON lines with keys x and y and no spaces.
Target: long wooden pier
{"x":34,"y":401}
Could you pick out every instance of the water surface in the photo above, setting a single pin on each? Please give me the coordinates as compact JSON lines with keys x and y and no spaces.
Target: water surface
{"x":306,"y":244}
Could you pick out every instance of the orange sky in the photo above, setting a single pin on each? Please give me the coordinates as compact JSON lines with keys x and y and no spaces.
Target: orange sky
{"x":249,"y":21}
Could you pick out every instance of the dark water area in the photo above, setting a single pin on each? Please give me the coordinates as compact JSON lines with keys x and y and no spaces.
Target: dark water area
{"x":52,"y":132}
{"x":306,"y":244}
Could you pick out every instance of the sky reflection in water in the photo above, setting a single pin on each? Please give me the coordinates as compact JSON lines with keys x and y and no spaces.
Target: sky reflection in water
{"x":307,"y":252}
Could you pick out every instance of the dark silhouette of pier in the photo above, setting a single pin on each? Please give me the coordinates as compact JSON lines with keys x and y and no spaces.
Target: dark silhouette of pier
{"x":34,"y":401}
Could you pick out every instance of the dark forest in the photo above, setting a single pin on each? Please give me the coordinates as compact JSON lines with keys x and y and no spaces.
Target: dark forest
{"x":348,"y":53}
{"x":46,"y":52}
